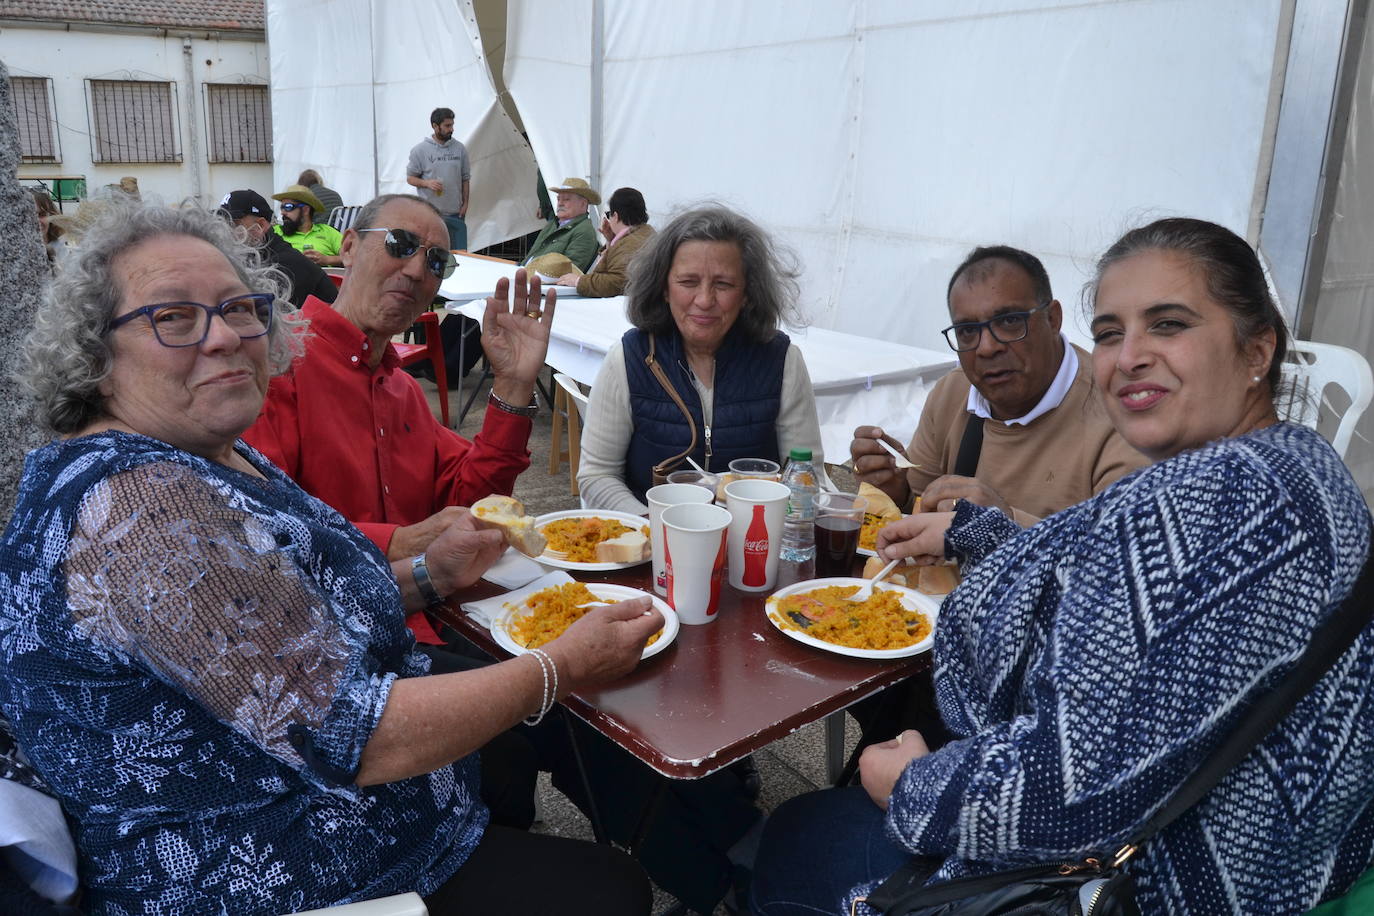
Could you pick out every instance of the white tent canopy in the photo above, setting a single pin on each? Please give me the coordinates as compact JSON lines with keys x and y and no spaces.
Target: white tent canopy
{"x":879,"y":140}
{"x":353,"y":85}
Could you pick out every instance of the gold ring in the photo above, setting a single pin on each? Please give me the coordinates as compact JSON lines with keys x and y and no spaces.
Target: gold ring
{"x":532,"y":314}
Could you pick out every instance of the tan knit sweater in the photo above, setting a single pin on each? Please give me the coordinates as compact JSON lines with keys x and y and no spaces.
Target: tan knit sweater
{"x":1060,"y":458}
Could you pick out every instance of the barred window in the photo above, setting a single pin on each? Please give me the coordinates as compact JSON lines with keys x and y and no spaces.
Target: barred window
{"x":134,"y":121}
{"x":32,"y":96}
{"x":238,"y":119}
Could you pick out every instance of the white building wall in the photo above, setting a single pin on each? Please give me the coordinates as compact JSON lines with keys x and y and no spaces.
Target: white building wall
{"x":69,"y":58}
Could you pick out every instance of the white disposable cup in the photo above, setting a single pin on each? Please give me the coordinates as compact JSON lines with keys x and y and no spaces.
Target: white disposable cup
{"x":660,"y":498}
{"x":694,"y":553}
{"x":747,"y":500}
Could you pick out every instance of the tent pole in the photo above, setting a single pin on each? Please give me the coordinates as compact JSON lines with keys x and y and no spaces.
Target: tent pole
{"x":372,"y":96}
{"x":597,"y":74}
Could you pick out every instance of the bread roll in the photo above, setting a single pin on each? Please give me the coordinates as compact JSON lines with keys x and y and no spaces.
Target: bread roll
{"x":875,"y":565}
{"x":879,"y":503}
{"x":630,"y":547}
{"x":507,"y":515}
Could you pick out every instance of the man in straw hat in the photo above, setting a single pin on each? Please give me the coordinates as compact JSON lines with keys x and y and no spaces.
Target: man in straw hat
{"x":438,"y":167}
{"x":317,"y":241}
{"x":570,"y":232}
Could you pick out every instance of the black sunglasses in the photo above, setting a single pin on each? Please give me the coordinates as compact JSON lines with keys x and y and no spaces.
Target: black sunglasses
{"x":402,"y":244}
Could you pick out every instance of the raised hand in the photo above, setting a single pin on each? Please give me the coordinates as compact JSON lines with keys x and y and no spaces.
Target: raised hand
{"x":515,"y":336}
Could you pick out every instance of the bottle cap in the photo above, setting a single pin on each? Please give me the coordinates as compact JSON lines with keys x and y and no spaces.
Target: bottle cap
{"x":800,"y":454}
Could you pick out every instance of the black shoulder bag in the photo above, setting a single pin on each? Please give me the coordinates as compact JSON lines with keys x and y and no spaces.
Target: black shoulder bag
{"x":1101,"y":887}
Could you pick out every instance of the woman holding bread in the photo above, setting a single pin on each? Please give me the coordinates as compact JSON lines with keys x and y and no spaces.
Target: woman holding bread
{"x":705,"y":372}
{"x":208,"y":666}
{"x":1089,"y":664}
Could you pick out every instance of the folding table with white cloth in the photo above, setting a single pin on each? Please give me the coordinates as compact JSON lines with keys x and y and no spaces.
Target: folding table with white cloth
{"x":857,"y":380}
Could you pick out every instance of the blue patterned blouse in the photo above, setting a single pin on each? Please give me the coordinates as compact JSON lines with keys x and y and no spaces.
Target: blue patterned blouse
{"x":1094,"y":660}
{"x":194,"y":658}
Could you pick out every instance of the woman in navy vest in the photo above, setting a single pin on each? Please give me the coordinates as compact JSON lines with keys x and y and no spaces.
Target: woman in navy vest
{"x":705,"y":296}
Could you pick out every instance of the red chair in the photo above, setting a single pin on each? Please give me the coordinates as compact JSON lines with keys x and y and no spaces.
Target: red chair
{"x":433,"y":350}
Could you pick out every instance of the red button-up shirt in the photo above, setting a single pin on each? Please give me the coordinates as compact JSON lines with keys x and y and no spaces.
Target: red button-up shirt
{"x":365,"y":441}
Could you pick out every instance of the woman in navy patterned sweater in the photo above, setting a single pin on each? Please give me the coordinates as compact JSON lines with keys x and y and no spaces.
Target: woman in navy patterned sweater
{"x":1089,"y":664}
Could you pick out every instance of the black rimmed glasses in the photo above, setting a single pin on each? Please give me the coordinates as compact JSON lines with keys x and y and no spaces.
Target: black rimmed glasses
{"x":186,"y":324}
{"x":1009,"y":327}
{"x":402,"y":244}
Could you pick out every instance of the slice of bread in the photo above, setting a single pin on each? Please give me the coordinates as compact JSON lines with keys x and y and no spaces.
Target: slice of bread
{"x":630,"y":547}
{"x":507,"y":515}
{"x":879,"y":503}
{"x":937,"y":580}
{"x":875,"y":565}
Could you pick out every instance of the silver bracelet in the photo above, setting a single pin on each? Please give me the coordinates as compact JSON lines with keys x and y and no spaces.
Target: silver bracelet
{"x":420,"y":569}
{"x":548,"y":697}
{"x":499,"y":404}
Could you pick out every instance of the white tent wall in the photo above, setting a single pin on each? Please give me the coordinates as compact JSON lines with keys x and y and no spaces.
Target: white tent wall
{"x":321,"y":53}
{"x":883,"y":140}
{"x":1344,"y":312}
{"x":408,"y":57}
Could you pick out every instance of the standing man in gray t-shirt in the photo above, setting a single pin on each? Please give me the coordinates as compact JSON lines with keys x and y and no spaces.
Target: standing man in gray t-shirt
{"x":438,"y":167}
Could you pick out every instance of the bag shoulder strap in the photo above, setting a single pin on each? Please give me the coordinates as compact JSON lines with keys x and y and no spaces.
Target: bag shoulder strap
{"x":970,"y":447}
{"x":1328,"y":643}
{"x":662,"y":377}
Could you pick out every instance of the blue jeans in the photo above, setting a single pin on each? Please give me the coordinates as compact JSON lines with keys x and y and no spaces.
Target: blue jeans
{"x":816,"y":848}
{"x":457,"y":232}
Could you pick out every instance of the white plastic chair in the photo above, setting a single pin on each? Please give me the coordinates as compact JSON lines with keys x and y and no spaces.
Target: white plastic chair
{"x":1310,"y":369}
{"x":569,"y":393}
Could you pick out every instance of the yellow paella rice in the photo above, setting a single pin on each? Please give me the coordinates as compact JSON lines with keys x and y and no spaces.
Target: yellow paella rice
{"x":578,"y":537}
{"x":881,"y":622}
{"x":873,"y":523}
{"x":551,"y":611}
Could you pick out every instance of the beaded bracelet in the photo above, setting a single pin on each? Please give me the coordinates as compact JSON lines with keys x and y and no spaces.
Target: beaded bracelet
{"x":548,"y":697}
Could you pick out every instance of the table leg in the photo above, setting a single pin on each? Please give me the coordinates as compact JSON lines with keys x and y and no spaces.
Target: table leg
{"x":834,"y":745}
{"x":593,"y":812}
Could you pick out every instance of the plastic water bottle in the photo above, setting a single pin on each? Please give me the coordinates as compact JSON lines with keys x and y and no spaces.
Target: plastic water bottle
{"x":798,"y":549}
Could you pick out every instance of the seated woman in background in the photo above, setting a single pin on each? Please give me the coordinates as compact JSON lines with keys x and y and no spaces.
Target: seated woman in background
{"x":1088,"y":665}
{"x":706,"y":296}
{"x":209,"y":667}
{"x":626,"y":228}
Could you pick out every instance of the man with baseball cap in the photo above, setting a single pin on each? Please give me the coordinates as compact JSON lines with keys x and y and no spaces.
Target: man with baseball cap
{"x":570,"y":232}
{"x":248,"y":209}
{"x":317,"y":241}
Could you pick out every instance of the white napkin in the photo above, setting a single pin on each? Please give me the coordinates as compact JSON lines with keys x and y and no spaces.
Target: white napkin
{"x":513,"y":570}
{"x":36,"y":841}
{"x":488,"y":609}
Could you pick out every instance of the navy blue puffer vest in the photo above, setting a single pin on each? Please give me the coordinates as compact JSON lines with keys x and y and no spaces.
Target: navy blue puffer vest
{"x":746,"y":398}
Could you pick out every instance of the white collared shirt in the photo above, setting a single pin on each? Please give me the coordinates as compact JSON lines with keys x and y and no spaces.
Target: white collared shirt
{"x":1054,"y":396}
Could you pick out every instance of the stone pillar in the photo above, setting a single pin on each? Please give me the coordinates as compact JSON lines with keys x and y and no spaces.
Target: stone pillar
{"x":23,"y":276}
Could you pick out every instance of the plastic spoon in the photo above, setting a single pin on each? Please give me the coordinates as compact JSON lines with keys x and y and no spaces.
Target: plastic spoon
{"x":866,"y":591}
{"x":902,"y":460}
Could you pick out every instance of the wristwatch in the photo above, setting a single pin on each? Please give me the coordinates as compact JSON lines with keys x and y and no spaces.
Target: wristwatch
{"x":423,"y":582}
{"x":499,"y":404}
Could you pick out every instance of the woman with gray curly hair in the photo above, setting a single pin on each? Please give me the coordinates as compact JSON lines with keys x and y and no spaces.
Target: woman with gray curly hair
{"x":705,"y":372}
{"x":209,"y":667}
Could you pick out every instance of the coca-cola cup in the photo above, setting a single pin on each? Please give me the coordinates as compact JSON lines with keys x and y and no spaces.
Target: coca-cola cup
{"x":660,"y":498}
{"x":757,"y":508}
{"x":694,"y":557}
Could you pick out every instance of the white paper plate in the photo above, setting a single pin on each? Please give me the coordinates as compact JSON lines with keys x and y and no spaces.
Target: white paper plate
{"x":500,"y":625}
{"x":865,"y":552}
{"x":634,"y":521}
{"x":910,"y":598}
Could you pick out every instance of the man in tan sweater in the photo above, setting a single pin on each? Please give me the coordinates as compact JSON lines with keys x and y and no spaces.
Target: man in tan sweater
{"x":1046,"y":443}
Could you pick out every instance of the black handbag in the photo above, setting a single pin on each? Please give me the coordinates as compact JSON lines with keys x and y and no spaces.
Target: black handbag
{"x":1101,"y":886}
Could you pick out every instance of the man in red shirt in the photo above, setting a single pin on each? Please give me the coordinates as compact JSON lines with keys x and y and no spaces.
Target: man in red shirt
{"x":353,"y":430}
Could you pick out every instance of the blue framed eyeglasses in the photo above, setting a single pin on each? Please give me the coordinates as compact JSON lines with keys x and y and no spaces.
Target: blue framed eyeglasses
{"x":402,"y":244}
{"x":290,"y":205}
{"x":186,"y":324}
{"x":1006,"y":328}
